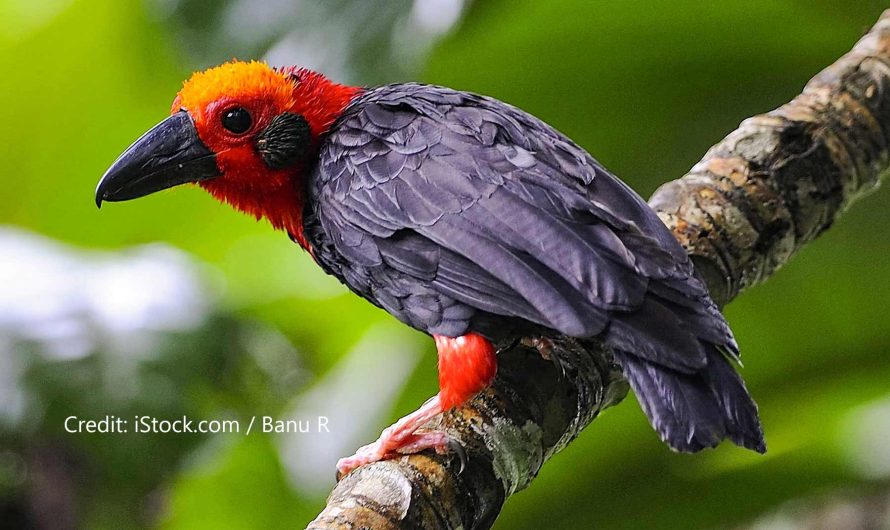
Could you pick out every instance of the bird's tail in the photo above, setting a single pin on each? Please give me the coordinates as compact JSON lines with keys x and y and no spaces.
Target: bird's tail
{"x":692,"y":411}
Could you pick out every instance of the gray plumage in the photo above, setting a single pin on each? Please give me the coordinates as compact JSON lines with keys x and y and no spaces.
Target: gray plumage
{"x":459,"y":213}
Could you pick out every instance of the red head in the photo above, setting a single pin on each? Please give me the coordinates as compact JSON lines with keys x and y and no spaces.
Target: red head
{"x":243,"y":131}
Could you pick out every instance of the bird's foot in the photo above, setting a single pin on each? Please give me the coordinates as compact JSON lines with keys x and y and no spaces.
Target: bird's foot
{"x":389,"y":446}
{"x":421,"y":441}
{"x":365,"y":455}
{"x":467,"y":364}
{"x":400,"y":439}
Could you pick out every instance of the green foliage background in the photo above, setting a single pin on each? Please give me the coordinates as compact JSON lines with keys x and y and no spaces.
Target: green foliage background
{"x":646,"y":87}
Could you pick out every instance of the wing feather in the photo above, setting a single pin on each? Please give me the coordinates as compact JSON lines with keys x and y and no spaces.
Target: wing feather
{"x":508,"y":216}
{"x":458,"y":213}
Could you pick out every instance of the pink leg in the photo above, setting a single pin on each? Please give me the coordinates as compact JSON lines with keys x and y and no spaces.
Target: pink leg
{"x":400,"y":438}
{"x":467,"y":364}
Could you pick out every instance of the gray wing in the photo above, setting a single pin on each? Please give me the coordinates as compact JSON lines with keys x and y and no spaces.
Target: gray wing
{"x":449,"y":209}
{"x":493,"y":208}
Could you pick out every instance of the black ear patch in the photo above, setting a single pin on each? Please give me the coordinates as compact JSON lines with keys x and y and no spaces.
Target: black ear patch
{"x":285,"y":141}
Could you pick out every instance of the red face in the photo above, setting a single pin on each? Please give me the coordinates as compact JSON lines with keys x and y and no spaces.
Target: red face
{"x":233,"y":106}
{"x":244,"y":132}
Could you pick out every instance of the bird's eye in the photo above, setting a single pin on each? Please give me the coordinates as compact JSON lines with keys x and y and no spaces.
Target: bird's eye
{"x":237,"y":120}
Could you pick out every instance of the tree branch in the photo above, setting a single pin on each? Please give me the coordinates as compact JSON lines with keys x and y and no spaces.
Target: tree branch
{"x":757,"y":197}
{"x":782,"y":178}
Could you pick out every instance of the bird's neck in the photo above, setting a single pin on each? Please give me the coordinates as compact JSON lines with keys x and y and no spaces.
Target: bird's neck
{"x":281,"y":202}
{"x":279,"y":195}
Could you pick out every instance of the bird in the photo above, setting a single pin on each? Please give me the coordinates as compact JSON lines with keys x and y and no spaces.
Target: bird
{"x":464,"y":217}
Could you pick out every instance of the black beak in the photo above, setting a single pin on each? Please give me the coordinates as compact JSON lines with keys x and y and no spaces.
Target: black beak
{"x":170,"y":153}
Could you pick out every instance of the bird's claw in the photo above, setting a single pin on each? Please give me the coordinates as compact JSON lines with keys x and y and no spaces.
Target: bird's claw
{"x":457,"y":448}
